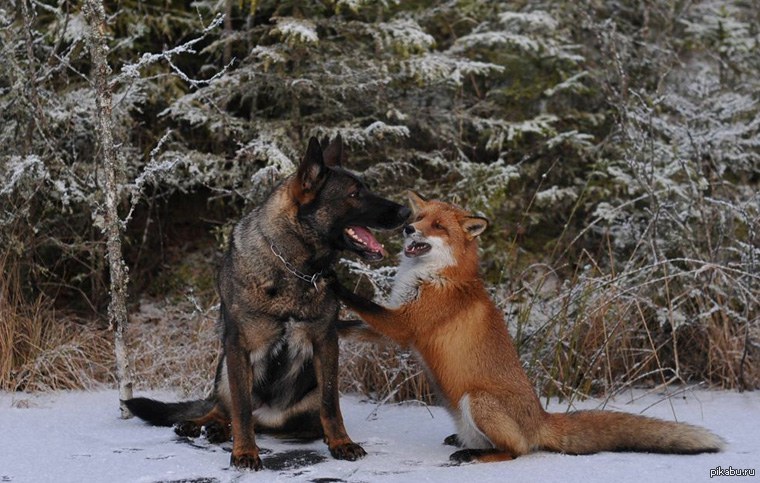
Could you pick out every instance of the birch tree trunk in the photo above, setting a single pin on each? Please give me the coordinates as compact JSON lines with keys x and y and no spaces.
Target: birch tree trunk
{"x":117,"y":307}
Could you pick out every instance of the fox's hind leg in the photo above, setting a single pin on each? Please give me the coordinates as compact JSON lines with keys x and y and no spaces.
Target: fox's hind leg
{"x":481,"y":455}
{"x":488,"y":431}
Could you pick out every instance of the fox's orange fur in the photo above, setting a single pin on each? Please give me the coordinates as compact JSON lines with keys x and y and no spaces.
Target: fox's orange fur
{"x":442,"y":310}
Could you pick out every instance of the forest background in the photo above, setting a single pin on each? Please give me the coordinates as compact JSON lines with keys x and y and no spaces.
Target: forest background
{"x":614,"y":145}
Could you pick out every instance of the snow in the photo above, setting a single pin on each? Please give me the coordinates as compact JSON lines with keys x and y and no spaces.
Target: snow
{"x":407,"y":35}
{"x":296,"y":30}
{"x":17,"y":168}
{"x":379,"y":130}
{"x":77,"y":436}
{"x":537,"y":19}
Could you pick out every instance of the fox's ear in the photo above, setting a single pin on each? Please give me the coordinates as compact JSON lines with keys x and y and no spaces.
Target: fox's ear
{"x":416,"y":201}
{"x":473,"y":226}
{"x":334,"y":154}
{"x":310,"y":174}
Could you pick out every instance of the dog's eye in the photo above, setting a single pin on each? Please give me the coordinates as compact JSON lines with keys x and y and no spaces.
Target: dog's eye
{"x":354,"y":194}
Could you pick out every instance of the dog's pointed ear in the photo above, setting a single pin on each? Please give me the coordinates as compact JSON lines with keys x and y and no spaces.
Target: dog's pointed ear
{"x":416,"y":201}
{"x":334,"y":153}
{"x":310,"y":174}
{"x":473,"y":226}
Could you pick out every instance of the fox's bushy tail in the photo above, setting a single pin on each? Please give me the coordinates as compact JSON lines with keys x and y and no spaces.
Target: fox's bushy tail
{"x":160,"y":413}
{"x":584,"y":432}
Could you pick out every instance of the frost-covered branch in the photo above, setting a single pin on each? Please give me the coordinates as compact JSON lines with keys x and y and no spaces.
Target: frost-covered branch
{"x":132,"y":71}
{"x":150,"y":174}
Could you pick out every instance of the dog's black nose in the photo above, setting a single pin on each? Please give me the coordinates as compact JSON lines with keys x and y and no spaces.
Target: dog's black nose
{"x":408,"y":230}
{"x":404,"y":213}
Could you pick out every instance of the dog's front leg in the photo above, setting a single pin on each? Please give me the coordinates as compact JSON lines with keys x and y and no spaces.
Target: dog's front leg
{"x":326,"y":366}
{"x":245,"y":453}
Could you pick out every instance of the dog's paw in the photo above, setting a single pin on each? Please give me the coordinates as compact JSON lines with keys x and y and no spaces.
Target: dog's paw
{"x":187,"y":429}
{"x":347,"y":451}
{"x":246,"y":460}
{"x":452,"y":440}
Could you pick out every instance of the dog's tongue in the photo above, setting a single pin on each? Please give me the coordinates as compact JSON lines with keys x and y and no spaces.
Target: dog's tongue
{"x":369,"y":240}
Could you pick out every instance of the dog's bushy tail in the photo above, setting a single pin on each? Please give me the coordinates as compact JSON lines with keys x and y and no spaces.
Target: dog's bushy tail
{"x":159,"y":413}
{"x":584,"y":432}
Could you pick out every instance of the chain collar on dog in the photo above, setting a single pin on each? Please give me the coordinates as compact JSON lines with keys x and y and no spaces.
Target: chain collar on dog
{"x":312,"y":279}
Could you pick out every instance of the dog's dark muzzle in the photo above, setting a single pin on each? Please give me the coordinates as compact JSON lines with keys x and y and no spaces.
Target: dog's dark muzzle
{"x":404,"y":213}
{"x":389,"y":215}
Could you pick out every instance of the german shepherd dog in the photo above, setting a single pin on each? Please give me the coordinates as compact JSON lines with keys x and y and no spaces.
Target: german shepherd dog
{"x":279,"y":365}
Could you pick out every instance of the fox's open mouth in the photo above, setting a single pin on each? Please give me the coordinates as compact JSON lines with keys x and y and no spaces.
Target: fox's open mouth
{"x":363,"y":242}
{"x":415,"y":249}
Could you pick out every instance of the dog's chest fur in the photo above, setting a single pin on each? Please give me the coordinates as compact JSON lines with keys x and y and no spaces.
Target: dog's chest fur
{"x":285,"y":358}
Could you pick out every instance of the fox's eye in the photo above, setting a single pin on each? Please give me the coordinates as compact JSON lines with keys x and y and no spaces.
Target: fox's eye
{"x":437,"y":225}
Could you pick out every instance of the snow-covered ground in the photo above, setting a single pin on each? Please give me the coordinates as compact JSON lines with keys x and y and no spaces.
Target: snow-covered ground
{"x":78,"y":437}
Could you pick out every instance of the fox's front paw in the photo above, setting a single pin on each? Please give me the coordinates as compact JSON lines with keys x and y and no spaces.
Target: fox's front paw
{"x":246,"y":460}
{"x":347,"y":451}
{"x":452,"y":440}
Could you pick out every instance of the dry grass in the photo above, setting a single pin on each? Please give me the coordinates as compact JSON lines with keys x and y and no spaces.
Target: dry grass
{"x":40,"y":351}
{"x":382,"y":372}
{"x":174,"y":345}
{"x":605,"y":332}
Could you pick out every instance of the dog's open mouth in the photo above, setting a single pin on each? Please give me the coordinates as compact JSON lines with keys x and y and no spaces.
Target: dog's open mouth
{"x":363,"y":242}
{"x":415,"y":249}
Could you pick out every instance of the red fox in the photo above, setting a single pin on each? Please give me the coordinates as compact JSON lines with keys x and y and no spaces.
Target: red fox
{"x":441,"y":309}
